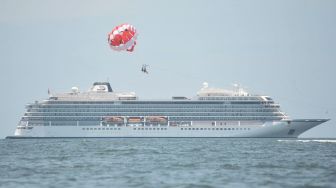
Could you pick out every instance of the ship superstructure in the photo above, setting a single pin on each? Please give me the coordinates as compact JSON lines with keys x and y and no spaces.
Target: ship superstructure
{"x":213,"y":112}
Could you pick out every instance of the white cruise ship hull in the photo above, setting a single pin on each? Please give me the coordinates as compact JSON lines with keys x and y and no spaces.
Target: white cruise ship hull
{"x":275,"y":129}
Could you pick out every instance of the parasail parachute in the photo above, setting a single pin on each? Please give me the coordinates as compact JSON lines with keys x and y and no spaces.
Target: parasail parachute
{"x":122,"y":37}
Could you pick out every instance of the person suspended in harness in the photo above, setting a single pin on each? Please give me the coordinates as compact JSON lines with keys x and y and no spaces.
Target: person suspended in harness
{"x":144,"y":68}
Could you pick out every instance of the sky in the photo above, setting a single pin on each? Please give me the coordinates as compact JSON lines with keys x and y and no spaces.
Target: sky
{"x":284,"y":49}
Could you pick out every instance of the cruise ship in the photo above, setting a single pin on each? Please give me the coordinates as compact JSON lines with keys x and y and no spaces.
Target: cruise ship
{"x":213,"y":112}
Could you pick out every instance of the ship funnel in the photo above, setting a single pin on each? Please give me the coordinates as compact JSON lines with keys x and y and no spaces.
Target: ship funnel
{"x":101,"y":87}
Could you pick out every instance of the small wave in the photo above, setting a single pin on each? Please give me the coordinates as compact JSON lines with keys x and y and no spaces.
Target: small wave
{"x":313,"y":140}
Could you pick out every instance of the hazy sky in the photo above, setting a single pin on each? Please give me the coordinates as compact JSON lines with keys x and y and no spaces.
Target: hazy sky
{"x":285,"y":49}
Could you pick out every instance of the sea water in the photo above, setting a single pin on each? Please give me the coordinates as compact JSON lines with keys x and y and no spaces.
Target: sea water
{"x":168,"y":162}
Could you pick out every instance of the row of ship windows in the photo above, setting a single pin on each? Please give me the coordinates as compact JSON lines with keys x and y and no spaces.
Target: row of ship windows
{"x":156,"y":102}
{"x":231,"y":98}
{"x":170,"y":118}
{"x":159,"y":114}
{"x":216,"y":129}
{"x":107,"y":128}
{"x":166,"y":129}
{"x":154,"y":110}
{"x":157,"y":106}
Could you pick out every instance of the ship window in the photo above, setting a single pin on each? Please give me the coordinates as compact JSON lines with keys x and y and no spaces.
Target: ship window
{"x":189,"y":128}
{"x":150,"y":128}
{"x":193,"y":128}
{"x":221,"y":128}
{"x":153,"y":128}
{"x":229,"y":128}
{"x":83,"y":128}
{"x":95,"y":128}
{"x":196,"y":128}
{"x":216,"y":128}
{"x":181,"y":128}
{"x":161,"y":128}
{"x":134,"y":128}
{"x":103,"y":128}
{"x":118,"y":128}
{"x":201,"y":128}
{"x":225,"y":129}
{"x":98,"y":128}
{"x":213,"y":128}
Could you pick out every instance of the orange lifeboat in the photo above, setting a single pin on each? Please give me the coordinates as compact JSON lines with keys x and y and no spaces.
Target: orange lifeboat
{"x":156,"y":119}
{"x":134,"y":120}
{"x":113,"y":119}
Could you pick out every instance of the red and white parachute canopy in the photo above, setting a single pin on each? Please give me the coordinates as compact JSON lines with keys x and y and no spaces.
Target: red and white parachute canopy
{"x":122,"y":37}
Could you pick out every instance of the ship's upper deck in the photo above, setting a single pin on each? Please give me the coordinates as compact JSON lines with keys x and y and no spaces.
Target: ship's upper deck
{"x":102,"y":91}
{"x":210,"y":104}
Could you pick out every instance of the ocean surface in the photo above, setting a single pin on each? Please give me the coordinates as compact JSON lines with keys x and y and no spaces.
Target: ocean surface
{"x":168,"y":162}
